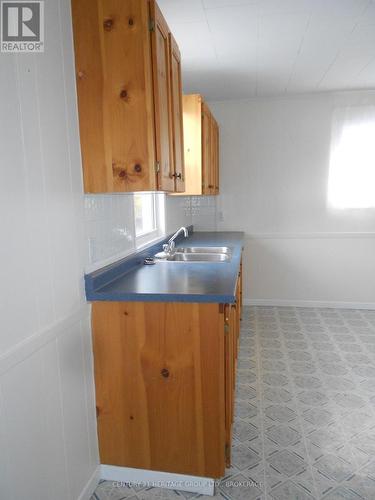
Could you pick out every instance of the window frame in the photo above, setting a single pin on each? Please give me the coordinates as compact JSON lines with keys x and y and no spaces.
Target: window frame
{"x":144,"y":238}
{"x":347,"y":176}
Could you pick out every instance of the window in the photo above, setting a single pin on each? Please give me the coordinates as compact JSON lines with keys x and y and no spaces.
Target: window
{"x":352,"y":164}
{"x":148,"y":217}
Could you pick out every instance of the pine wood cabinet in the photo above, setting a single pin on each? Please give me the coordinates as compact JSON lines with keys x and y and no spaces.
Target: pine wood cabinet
{"x":232,"y":319}
{"x":160,"y":386}
{"x":129,"y":97}
{"x":165,"y":381}
{"x":201,"y":146}
{"x":177,"y":116}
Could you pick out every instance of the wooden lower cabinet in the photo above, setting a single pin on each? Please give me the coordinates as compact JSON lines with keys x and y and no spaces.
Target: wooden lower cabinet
{"x":230,"y":374}
{"x":165,"y":378}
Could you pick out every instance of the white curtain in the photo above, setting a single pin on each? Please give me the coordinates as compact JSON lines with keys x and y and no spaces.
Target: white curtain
{"x":352,"y":161}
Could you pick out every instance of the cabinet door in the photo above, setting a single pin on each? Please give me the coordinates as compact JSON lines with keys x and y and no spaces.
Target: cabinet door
{"x":115,"y":94}
{"x":213,"y":170}
{"x":230,"y":342}
{"x":178,"y":132}
{"x":162,"y":98}
{"x":217,"y":157}
{"x":206,"y":150}
{"x":159,"y":377}
{"x":192,"y":118}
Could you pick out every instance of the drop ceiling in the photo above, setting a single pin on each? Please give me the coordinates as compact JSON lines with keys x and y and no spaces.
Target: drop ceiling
{"x":235,"y":49}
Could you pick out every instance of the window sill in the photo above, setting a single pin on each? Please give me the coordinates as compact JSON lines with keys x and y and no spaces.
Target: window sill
{"x":145,"y":240}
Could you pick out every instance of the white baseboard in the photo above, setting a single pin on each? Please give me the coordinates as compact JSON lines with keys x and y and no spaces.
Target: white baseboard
{"x":91,"y":485}
{"x":192,"y":484}
{"x":309,"y":303}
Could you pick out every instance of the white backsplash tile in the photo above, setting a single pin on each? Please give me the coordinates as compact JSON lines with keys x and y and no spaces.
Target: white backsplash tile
{"x":203,"y":213}
{"x":109,"y":227}
{"x":110,"y":230}
{"x":177,"y":212}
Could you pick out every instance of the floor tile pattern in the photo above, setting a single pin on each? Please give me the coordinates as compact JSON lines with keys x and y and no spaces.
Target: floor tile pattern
{"x":305,"y":410}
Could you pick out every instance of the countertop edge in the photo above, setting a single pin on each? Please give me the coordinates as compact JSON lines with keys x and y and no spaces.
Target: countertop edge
{"x":98,"y":283}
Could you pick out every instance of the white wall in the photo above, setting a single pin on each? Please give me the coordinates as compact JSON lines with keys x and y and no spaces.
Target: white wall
{"x":47,"y":413}
{"x":274,"y":175}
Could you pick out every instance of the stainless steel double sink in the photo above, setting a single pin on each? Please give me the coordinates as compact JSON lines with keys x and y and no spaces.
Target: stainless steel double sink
{"x":201,"y":254}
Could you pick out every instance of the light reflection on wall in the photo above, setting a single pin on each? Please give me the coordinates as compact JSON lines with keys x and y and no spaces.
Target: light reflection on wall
{"x":352,"y":163}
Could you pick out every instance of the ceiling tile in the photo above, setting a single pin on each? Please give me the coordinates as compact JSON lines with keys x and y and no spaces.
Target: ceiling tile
{"x":284,"y":6}
{"x":340,"y":8}
{"x":348,"y":64}
{"x":368,"y":17}
{"x":281,"y":26}
{"x":218,"y":85}
{"x":217,"y":4}
{"x":228,"y":21}
{"x":195,"y":41}
{"x":362,"y":36}
{"x":234,"y":48}
{"x":233,"y":30}
{"x":365,"y":78}
{"x":182,"y":11}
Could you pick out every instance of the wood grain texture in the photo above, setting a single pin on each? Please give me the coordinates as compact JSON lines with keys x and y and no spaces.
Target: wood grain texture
{"x":206,"y":150}
{"x":215,"y":156}
{"x":212,"y":173}
{"x":159,"y":371}
{"x":95,"y":147}
{"x":201,"y":146}
{"x":115,"y":94}
{"x":178,"y":133}
{"x":230,"y":326}
{"x":161,"y":65}
{"x":192,"y":113}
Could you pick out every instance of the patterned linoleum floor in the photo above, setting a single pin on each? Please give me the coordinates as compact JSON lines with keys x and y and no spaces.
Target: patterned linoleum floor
{"x":305,"y":410}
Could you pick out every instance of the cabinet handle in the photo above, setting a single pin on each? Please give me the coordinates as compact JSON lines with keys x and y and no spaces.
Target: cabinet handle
{"x":178,"y":176}
{"x":165,"y":373}
{"x":210,"y":186}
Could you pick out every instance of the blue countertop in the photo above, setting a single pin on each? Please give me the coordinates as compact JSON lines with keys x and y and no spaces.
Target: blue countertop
{"x":130,"y":280}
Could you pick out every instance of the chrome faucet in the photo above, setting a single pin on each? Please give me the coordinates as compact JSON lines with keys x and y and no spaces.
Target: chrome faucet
{"x":170,"y":246}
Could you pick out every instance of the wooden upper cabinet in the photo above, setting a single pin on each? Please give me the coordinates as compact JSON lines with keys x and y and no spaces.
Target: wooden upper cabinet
{"x":214,"y":171}
{"x":123,"y":71}
{"x":206,"y":150}
{"x":162,"y":98}
{"x":201,"y":146}
{"x":178,"y":134}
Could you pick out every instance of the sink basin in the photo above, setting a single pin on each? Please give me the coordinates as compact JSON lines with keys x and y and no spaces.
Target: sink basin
{"x":199,"y":257}
{"x":205,"y":250}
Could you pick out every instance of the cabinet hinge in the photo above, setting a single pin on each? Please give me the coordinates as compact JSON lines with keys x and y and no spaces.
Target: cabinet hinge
{"x":157,"y":167}
{"x":151,"y":24}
